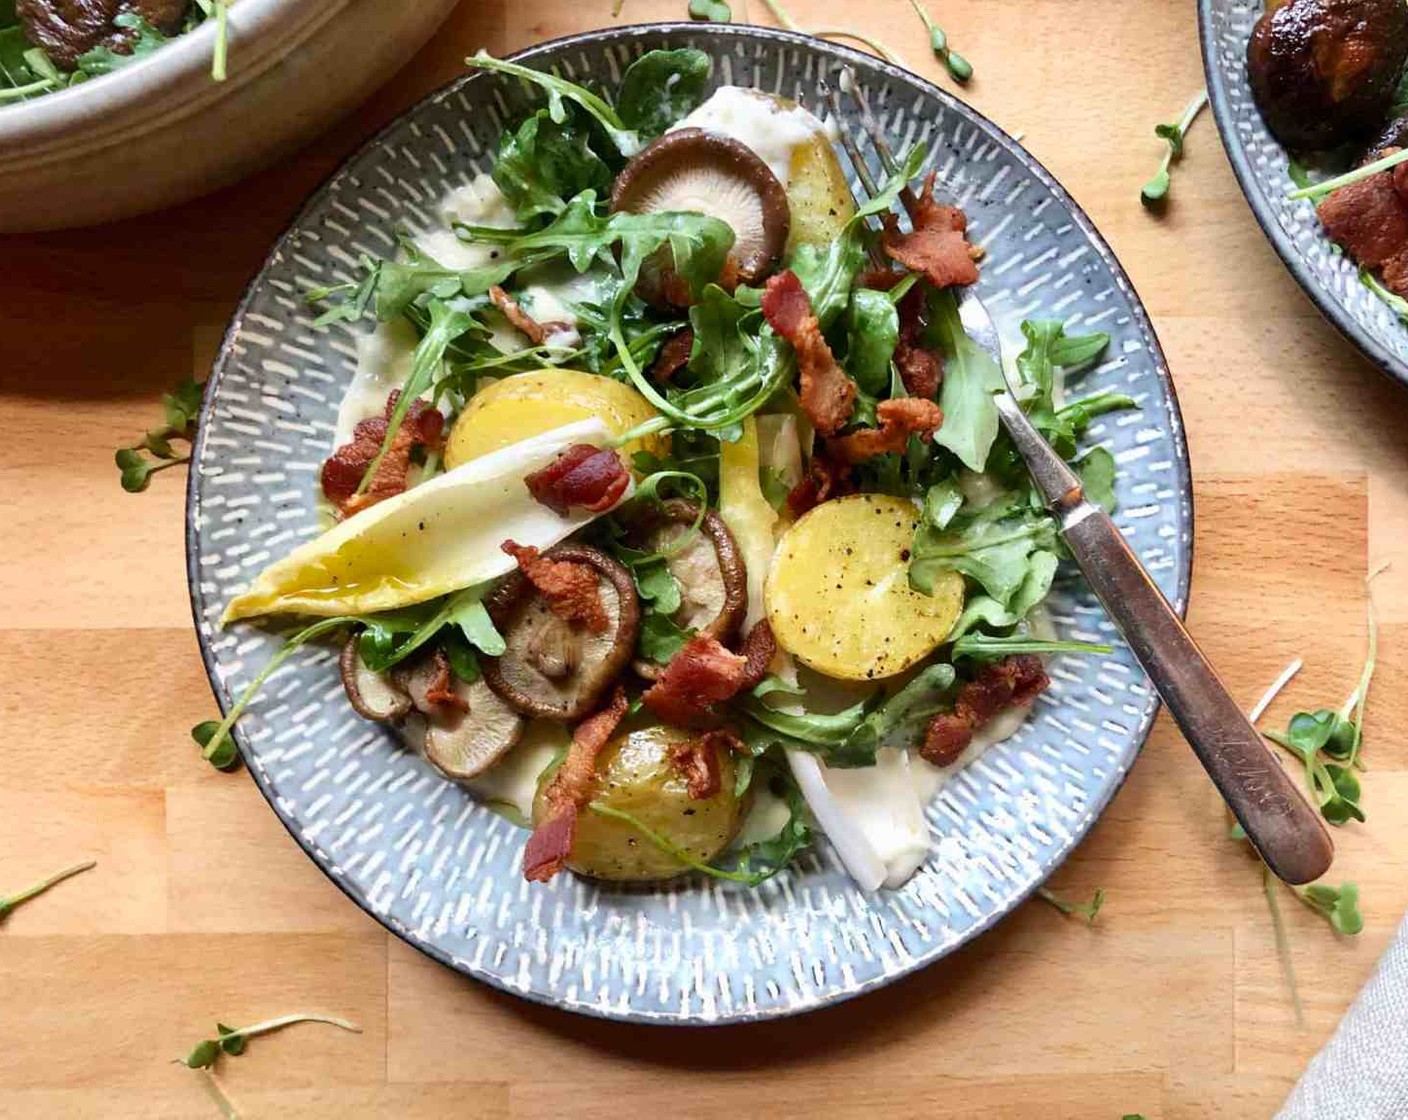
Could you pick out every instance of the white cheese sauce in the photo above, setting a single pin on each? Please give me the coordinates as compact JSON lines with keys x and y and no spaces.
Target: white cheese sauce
{"x":771,"y":130}
{"x":478,"y":203}
{"x":512,"y":782}
{"x":383,"y":363}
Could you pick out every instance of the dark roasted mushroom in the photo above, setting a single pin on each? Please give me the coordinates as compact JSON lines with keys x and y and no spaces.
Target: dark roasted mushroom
{"x":1324,"y":71}
{"x":463,"y":739}
{"x":709,"y":570}
{"x":66,"y":29}
{"x":372,"y":695}
{"x":551,"y":667}
{"x":700,"y":172}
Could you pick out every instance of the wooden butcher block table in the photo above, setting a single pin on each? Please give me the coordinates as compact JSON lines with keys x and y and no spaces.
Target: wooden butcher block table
{"x":202,"y":908}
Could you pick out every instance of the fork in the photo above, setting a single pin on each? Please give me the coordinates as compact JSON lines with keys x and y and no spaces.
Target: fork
{"x":1277,"y":819}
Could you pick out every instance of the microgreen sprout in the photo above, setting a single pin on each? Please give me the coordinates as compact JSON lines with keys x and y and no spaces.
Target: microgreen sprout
{"x":710,"y":11}
{"x":219,"y":11}
{"x":8,"y":904}
{"x":1156,"y":189}
{"x":1087,"y":910}
{"x":213,"y":736}
{"x":959,"y":68}
{"x":1337,"y":905}
{"x":153,"y":452}
{"x":1319,"y":190}
{"x":232,"y":1040}
{"x":780,"y":14}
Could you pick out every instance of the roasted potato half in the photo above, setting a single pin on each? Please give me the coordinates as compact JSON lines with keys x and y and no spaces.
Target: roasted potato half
{"x":817,"y":192}
{"x":637,"y":777}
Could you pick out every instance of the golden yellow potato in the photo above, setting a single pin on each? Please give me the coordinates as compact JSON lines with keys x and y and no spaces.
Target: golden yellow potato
{"x":637,"y":777}
{"x":838,"y":595}
{"x":528,"y":404}
{"x":818,"y":194}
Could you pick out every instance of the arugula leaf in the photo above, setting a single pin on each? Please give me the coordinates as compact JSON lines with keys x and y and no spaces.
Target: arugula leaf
{"x":9,"y":902}
{"x":971,"y":377}
{"x":916,"y":702}
{"x":986,"y":611}
{"x":818,"y":729}
{"x":1096,"y":469}
{"x":994,"y":545}
{"x":660,"y":87}
{"x":543,"y":162}
{"x":872,"y":332}
{"x":660,"y":637}
{"x":446,"y":324}
{"x":987,"y":647}
{"x":560,"y":90}
{"x":722,"y":346}
{"x":104,"y":60}
{"x":658,"y":587}
{"x":392,"y":636}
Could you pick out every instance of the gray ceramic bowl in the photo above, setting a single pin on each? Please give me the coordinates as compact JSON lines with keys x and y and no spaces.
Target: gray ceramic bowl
{"x":444,"y":873}
{"x":1329,"y":278}
{"x":160,"y":130}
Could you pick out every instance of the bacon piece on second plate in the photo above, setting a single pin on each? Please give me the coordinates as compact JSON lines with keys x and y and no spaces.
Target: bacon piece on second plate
{"x":899,"y":419}
{"x":937,"y":247}
{"x":442,"y":686}
{"x":571,"y":589}
{"x":342,"y":473}
{"x":1013,"y":682}
{"x":673,"y":356}
{"x":1370,"y":220}
{"x":592,"y":478}
{"x":703,"y":673}
{"x":571,"y":789}
{"x":827,"y":392}
{"x":826,"y":479}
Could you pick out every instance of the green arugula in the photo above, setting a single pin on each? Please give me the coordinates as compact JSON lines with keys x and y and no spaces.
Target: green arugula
{"x":392,"y":636}
{"x":994,"y":545}
{"x":984,"y":610}
{"x":872,"y":332}
{"x":914,"y":704}
{"x":560,"y":91}
{"x":544,"y":162}
{"x":1087,"y":910}
{"x":971,"y":378}
{"x":1096,"y":469}
{"x":180,"y":411}
{"x":661,"y":87}
{"x":9,"y":902}
{"x":987,"y":647}
{"x":1155,"y":191}
{"x":104,"y":60}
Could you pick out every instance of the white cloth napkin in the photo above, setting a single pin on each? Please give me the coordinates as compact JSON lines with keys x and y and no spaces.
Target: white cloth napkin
{"x":1362,"y":1073}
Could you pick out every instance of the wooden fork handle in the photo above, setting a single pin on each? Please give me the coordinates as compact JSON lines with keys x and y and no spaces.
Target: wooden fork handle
{"x":1277,"y":819}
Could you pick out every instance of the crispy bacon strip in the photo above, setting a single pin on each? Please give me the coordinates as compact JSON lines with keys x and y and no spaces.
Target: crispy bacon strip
{"x":826,"y":479}
{"x":921,"y":370}
{"x":697,"y":761}
{"x":758,"y":650}
{"x":1370,"y":220}
{"x":702,"y":674}
{"x":827,"y":392}
{"x":899,"y":419}
{"x":673,"y":356}
{"x":1010,"y":683}
{"x":513,"y":311}
{"x":571,"y":789}
{"x":422,"y":426}
{"x":572,"y":589}
{"x":592,"y":478}
{"x":442,"y":685}
{"x":936,"y":247}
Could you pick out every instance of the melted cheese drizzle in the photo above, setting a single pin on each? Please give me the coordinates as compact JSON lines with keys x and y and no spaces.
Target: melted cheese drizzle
{"x":757,"y":122}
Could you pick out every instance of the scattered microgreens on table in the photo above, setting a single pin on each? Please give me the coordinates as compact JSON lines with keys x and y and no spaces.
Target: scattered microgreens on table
{"x":138,"y":462}
{"x":959,"y":68}
{"x":233,"y":1040}
{"x":1087,"y":910}
{"x":1155,"y":191}
{"x":8,"y":903}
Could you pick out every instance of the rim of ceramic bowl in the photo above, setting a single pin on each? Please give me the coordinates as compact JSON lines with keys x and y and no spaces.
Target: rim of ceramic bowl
{"x":1184,"y":500}
{"x":59,"y":115}
{"x":1333,"y":311}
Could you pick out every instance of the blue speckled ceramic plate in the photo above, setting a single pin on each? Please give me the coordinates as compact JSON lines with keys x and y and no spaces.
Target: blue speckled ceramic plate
{"x":442,"y":872}
{"x":1329,"y":278}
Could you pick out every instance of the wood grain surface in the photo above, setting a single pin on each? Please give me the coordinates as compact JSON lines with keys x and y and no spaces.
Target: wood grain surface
{"x":201,"y":907}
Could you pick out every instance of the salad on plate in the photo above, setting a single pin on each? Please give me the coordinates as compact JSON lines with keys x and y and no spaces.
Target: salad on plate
{"x":668,"y":510}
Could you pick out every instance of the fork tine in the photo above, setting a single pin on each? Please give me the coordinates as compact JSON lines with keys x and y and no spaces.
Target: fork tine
{"x":876,"y":135}
{"x":867,"y":180}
